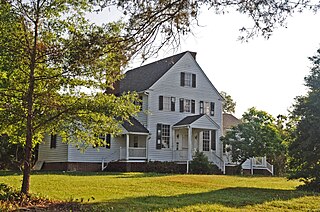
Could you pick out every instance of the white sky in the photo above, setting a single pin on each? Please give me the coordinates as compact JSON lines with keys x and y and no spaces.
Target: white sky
{"x":266,"y":74}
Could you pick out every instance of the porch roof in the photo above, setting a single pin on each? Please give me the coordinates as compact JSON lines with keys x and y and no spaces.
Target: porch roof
{"x":134,"y":126}
{"x":202,"y":121}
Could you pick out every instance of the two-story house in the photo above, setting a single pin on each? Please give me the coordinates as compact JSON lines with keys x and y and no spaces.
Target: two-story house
{"x":181,"y":111}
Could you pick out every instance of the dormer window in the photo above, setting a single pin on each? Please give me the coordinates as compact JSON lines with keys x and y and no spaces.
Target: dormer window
{"x":188,"y":79}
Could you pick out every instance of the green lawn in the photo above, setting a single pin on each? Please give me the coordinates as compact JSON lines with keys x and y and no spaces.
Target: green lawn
{"x":152,"y":192}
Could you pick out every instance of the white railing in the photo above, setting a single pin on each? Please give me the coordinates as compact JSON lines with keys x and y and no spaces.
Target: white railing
{"x":218,"y":161}
{"x":137,"y":152}
{"x":105,"y":161}
{"x":269,"y":167}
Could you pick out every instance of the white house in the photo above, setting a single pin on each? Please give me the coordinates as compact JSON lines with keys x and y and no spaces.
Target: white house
{"x":181,"y":112}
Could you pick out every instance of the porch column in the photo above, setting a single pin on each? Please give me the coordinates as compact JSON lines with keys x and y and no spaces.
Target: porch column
{"x":173,"y":143}
{"x":127,"y":146}
{"x":189,"y":143}
{"x":147,"y":148}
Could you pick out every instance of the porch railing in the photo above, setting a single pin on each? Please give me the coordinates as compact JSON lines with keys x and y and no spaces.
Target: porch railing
{"x":111,"y":157}
{"x":269,"y":167}
{"x":218,"y":161}
{"x":137,"y":153}
{"x":134,"y":153}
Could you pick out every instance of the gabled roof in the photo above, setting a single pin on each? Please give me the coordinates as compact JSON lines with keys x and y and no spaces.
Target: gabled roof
{"x":201,"y":121}
{"x":229,"y":121}
{"x":188,"y":120}
{"x":134,"y":126}
{"x":142,"y":78}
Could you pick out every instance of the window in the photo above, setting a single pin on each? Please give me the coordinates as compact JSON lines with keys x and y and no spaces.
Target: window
{"x":187,"y":105}
{"x":163,"y":136}
{"x":135,"y":141}
{"x":206,"y":140}
{"x":53,"y":141}
{"x":167,"y":103}
{"x":207,"y":108}
{"x":188,"y":79}
{"x":106,"y":138}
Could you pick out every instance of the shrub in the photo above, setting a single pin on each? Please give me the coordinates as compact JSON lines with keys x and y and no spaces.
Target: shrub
{"x":201,"y":165}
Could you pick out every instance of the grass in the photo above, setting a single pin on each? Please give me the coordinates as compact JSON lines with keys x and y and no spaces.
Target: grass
{"x":157,"y":192}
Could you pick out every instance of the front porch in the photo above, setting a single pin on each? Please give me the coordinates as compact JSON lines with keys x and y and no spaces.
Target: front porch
{"x":136,"y":148}
{"x":194,"y":133}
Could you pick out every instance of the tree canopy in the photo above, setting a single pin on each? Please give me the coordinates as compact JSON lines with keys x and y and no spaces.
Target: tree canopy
{"x":256,"y":136}
{"x":304,"y":149}
{"x":229,"y":106}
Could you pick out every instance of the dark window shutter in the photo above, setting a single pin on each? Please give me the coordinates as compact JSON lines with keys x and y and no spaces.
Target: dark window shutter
{"x":194,"y":80}
{"x":182,"y":79}
{"x":212,"y":108}
{"x":160,"y":102}
{"x":213,"y":139}
{"x":173,"y":103}
{"x":158,"y":144}
{"x":193,"y":106}
{"x":181,"y":105}
{"x":201,"y":107}
{"x":53,"y":141}
{"x":108,"y":141}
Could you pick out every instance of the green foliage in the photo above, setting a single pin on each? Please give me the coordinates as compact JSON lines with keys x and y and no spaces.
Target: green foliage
{"x":229,"y":105}
{"x":304,"y":149}
{"x":11,"y":154}
{"x":201,"y":165}
{"x":256,"y":136}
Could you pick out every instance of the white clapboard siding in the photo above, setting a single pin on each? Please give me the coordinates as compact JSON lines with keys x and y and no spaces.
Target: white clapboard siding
{"x":143,"y":114}
{"x":169,"y":85}
{"x":95,"y":155}
{"x":58,"y":154}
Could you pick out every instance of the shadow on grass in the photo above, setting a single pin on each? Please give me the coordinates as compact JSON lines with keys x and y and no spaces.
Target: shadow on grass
{"x":236,"y":197}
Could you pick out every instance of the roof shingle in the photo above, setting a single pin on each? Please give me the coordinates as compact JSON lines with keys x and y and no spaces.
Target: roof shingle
{"x":142,"y":78}
{"x":134,"y":126}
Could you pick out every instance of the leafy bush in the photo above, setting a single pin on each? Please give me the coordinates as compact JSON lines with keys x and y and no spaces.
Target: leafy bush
{"x":201,"y":165}
{"x":312,"y":185}
{"x":11,"y":199}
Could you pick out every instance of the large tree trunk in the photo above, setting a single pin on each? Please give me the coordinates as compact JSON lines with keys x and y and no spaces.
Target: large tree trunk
{"x":27,"y":165}
{"x":30,"y":101}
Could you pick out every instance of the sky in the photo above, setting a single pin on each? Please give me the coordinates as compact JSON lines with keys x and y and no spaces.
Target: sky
{"x":266,"y":74}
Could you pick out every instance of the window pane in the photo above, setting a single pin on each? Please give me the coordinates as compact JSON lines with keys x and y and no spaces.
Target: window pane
{"x":206,"y":140}
{"x":207,"y":108}
{"x":187,"y":105}
{"x":165,"y":136}
{"x":166,"y":103}
{"x":188,"y":79}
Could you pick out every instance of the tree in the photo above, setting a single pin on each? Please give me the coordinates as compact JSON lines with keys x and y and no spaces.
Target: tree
{"x":256,"y":136}
{"x":304,"y":149}
{"x":229,"y":105}
{"x":52,"y":56}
